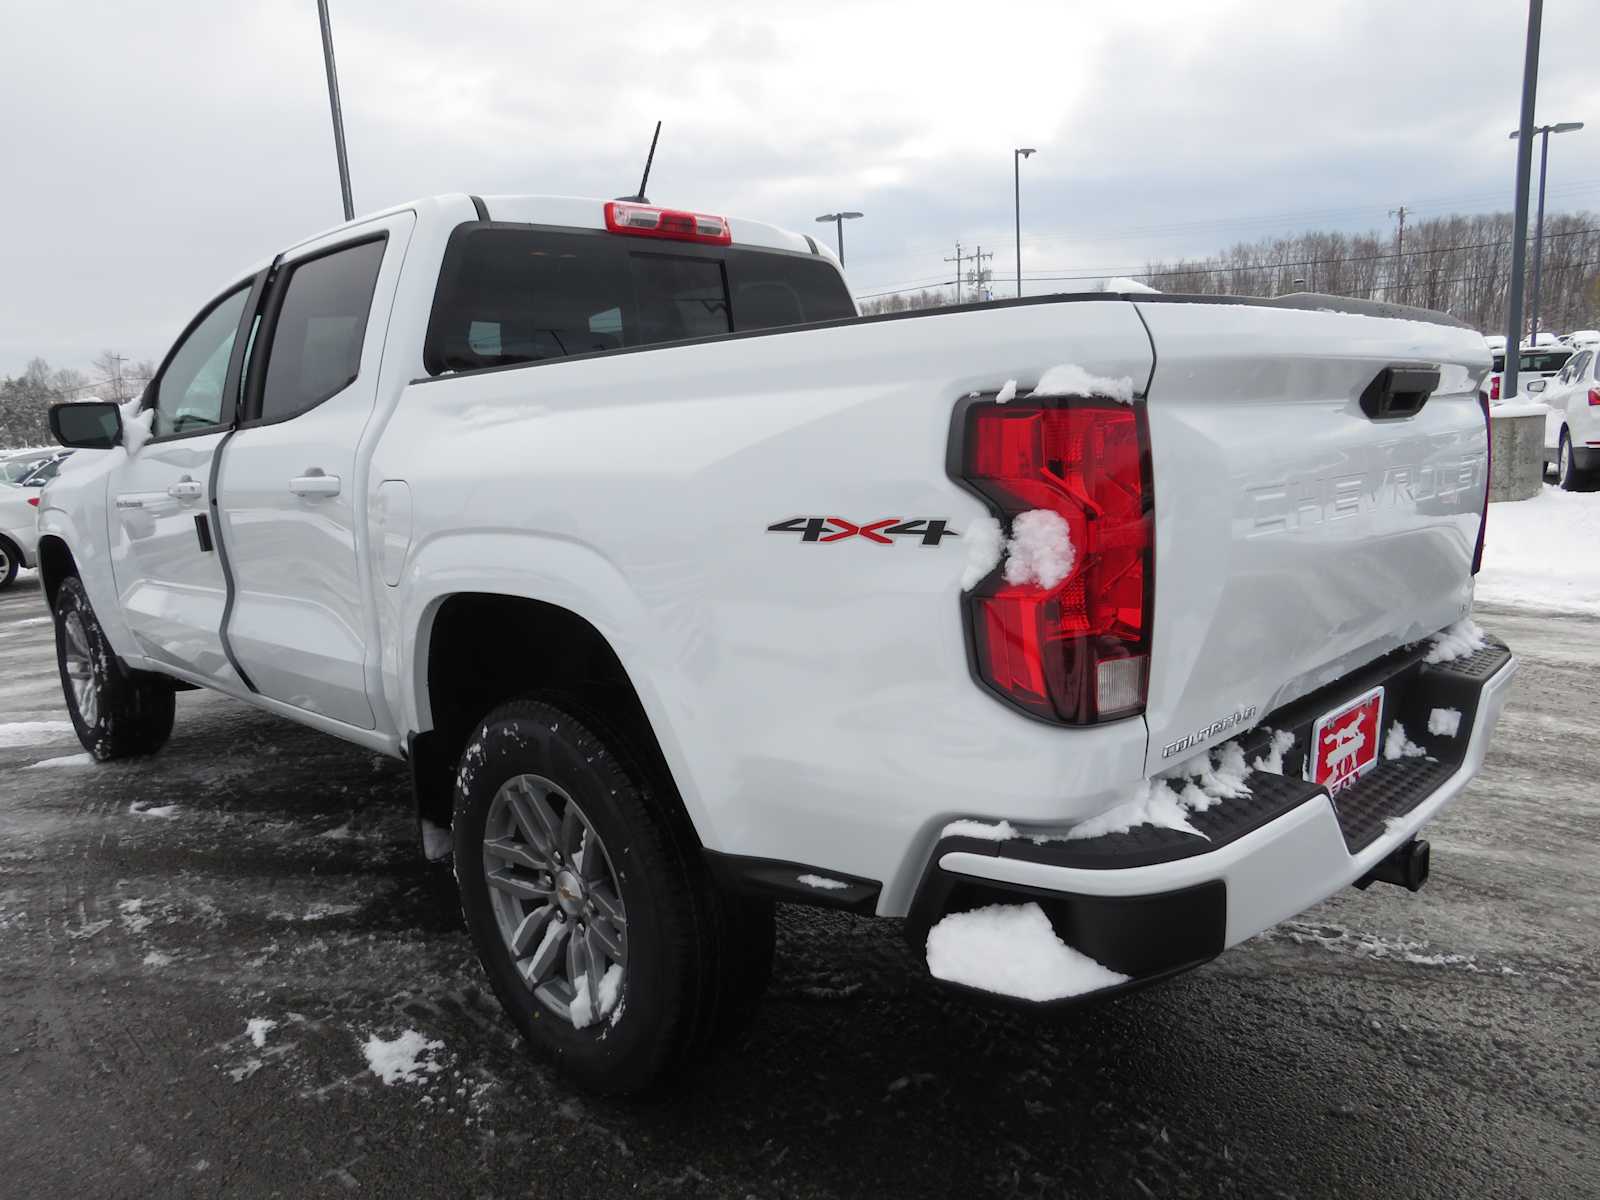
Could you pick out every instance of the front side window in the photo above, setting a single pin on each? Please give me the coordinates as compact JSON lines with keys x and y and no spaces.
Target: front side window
{"x":510,"y":294}
{"x":321,"y":325}
{"x":189,"y":394}
{"x":1576,"y":368}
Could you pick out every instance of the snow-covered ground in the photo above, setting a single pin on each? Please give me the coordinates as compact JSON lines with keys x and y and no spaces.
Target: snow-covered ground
{"x":1544,"y":553}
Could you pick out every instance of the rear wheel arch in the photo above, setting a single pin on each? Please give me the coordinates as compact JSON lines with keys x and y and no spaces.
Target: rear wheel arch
{"x":479,"y":650}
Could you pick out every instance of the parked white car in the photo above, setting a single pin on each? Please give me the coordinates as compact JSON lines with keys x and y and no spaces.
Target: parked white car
{"x":19,"y":530}
{"x":1572,"y":429}
{"x":1581,"y":339}
{"x":1052,"y":626}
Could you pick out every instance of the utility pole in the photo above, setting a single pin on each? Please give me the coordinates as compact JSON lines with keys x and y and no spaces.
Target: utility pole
{"x":979,"y":276}
{"x":1016,"y":182}
{"x":1519,"y":229}
{"x":957,"y":261}
{"x":1399,"y":251}
{"x":338,"y":113}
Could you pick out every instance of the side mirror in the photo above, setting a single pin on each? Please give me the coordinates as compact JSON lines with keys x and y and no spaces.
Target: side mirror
{"x":89,"y":425}
{"x":1538,"y":385}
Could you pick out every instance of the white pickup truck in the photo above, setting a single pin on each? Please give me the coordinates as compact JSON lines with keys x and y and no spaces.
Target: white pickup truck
{"x":1091,"y":634}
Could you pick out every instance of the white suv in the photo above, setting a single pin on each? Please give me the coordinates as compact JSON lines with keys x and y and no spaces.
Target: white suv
{"x":1572,"y":430}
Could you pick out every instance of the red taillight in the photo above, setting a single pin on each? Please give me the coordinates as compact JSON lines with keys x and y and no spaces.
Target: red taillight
{"x":1494,"y":387}
{"x":1594,"y":397}
{"x":33,"y":500}
{"x":1488,"y":472}
{"x":1077,"y":652}
{"x":643,"y":220}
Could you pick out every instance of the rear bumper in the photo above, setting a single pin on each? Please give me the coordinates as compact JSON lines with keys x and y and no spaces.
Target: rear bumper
{"x":1150,"y":903}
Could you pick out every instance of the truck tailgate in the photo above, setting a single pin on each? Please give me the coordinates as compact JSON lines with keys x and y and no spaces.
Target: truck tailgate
{"x":1296,"y":537}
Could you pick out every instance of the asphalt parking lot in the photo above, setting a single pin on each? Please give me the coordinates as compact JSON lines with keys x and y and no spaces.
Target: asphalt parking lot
{"x":1384,"y":1044}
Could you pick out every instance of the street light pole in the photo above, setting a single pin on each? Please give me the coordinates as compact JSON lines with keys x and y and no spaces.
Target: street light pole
{"x":338,"y":115}
{"x":838,"y":219}
{"x":1519,"y":230}
{"x":1544,"y":132}
{"x":1016,"y":183}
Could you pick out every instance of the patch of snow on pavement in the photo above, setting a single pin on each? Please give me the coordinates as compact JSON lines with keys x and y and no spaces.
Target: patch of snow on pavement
{"x":1040,"y":549}
{"x":1397,"y":745}
{"x":436,"y":841}
{"x":67,"y":760}
{"x":31,"y":733}
{"x":1071,"y":380}
{"x":1444,"y":722}
{"x":143,"y":808}
{"x":257,"y":1028}
{"x":1539,"y":553}
{"x":998,"y":831}
{"x":1012,"y":949}
{"x":985,"y":543}
{"x":1008,"y":393}
{"x":1458,"y":641}
{"x":406,"y":1059}
{"x":133,"y":919}
{"x":157,"y":959}
{"x":823,"y":882}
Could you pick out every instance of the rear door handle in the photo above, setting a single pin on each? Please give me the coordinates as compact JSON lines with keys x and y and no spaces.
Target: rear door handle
{"x":185,"y":489}
{"x":315,"y":482}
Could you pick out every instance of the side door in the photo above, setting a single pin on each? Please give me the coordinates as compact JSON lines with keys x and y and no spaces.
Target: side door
{"x":170,"y":580}
{"x":292,"y":506}
{"x":1560,"y":393}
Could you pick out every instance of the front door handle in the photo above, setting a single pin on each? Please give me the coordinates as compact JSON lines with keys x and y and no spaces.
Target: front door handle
{"x":185,"y":489}
{"x":315,"y":482}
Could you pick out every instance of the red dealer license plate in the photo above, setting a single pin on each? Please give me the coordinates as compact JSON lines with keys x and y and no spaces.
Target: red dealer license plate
{"x":1344,"y":743}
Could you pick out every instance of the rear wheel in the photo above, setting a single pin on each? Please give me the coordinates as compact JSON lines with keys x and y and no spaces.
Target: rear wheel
{"x":118,"y":713}
{"x":1569,"y":475}
{"x":10,"y":562}
{"x":587,"y":901}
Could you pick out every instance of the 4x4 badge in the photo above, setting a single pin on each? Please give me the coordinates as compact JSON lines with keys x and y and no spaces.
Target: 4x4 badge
{"x":837,"y":529}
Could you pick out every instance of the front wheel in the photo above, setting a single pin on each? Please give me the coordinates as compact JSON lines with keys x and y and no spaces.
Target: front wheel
{"x":117,"y":713}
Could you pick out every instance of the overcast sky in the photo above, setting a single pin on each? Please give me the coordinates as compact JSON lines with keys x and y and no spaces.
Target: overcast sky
{"x":152,"y":151}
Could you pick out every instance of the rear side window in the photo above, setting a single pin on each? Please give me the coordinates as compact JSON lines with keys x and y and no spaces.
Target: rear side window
{"x":515,"y":294}
{"x":1499,"y":363}
{"x":322,"y":322}
{"x":1543,"y":360}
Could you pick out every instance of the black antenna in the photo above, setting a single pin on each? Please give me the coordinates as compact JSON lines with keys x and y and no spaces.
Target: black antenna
{"x":645,"y":178}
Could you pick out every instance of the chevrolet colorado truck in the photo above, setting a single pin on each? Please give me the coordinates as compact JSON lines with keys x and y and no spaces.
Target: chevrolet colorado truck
{"x":1089,"y":634}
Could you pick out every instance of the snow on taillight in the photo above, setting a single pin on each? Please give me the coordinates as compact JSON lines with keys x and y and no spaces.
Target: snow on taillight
{"x":643,"y":220}
{"x":1077,"y":652}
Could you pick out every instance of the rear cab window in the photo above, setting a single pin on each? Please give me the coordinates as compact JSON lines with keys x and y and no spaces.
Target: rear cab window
{"x":516,"y":294}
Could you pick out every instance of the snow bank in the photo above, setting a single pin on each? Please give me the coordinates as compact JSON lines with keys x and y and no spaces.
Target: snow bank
{"x":31,"y":733}
{"x":1461,"y":639}
{"x":1011,"y":949}
{"x":1040,"y":549}
{"x":1071,"y":380}
{"x":1540,"y":553}
{"x":985,"y":544}
{"x":1397,"y":745}
{"x":136,"y":425}
{"x":1444,"y":722}
{"x":408,"y":1058}
{"x":999,"y":831}
{"x":143,"y":808}
{"x":1008,"y":393}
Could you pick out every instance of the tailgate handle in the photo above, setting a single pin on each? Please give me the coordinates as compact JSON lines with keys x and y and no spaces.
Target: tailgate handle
{"x":1399,"y":392}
